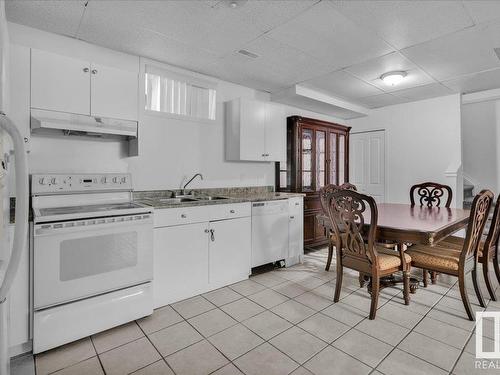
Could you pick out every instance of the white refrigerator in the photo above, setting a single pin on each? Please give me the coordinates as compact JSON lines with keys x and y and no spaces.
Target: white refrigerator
{"x":11,"y":148}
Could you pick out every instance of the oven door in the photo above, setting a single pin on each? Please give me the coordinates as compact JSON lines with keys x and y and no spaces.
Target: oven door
{"x":77,"y":259}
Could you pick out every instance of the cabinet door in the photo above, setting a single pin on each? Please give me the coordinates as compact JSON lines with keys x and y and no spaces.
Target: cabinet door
{"x":229,"y":251}
{"x":59,"y":83}
{"x":275,"y":130}
{"x":296,"y":231}
{"x":180,"y":262}
{"x":253,"y":116}
{"x":19,"y":299}
{"x":114,"y":93}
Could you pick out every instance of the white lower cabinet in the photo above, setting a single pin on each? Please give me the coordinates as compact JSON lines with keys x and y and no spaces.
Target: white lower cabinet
{"x":295,"y":231}
{"x":192,"y":256}
{"x":229,"y":251}
{"x":19,"y":333}
{"x":180,"y":262}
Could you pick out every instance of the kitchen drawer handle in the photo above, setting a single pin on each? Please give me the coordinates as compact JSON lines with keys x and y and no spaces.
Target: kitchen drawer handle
{"x":85,"y":70}
{"x":231,"y":211}
{"x":297,"y":203}
{"x":292,"y":217}
{"x":183,"y":216}
{"x":265,"y":154}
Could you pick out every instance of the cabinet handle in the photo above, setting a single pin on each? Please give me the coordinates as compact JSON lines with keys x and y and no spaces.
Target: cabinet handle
{"x":297,"y":203}
{"x":85,"y":70}
{"x":212,"y":235}
{"x":292,"y":217}
{"x":206,"y":231}
{"x":94,"y":71}
{"x":183,"y":216}
{"x":231,"y":211}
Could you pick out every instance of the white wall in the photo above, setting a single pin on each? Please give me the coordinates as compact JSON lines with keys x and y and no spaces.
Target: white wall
{"x":480,"y":125}
{"x":170,"y":149}
{"x":422,"y":143}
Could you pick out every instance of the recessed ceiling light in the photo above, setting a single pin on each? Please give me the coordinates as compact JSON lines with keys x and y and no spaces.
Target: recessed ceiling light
{"x":393,"y":78}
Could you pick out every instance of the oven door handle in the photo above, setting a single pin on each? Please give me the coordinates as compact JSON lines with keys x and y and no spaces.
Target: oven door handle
{"x":91,"y":225}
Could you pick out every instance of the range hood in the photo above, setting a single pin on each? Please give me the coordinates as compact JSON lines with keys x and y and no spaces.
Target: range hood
{"x":43,"y":121}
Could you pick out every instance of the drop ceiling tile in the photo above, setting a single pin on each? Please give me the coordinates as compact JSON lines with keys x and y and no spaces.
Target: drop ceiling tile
{"x":475,"y":82}
{"x":189,"y":22}
{"x":464,"y":52}
{"x":370,"y":71}
{"x":381,"y":100}
{"x":62,"y":17}
{"x":342,"y":84}
{"x":331,"y":37}
{"x":265,"y":15}
{"x":406,"y":23}
{"x":148,"y":44}
{"x":483,"y":10}
{"x":423,"y":92}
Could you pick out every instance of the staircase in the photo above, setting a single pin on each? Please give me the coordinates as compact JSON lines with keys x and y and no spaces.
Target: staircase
{"x":468,"y":196}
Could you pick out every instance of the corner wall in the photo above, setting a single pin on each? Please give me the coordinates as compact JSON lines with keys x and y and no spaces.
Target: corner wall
{"x":423,"y":143}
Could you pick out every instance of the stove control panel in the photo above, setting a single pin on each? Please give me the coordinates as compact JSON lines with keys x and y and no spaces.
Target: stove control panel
{"x":67,"y":183}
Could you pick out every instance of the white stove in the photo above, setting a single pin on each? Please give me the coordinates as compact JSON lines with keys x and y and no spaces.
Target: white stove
{"x":92,"y":256}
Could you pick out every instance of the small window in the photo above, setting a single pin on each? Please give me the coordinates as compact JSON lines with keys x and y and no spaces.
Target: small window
{"x":179,"y":95}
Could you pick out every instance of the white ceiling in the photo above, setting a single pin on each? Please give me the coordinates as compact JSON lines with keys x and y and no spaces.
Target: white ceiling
{"x":337,"y":47}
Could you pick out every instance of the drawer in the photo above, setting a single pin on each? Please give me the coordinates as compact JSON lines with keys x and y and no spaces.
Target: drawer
{"x":229,"y":211}
{"x":295,"y":205}
{"x":183,"y":215}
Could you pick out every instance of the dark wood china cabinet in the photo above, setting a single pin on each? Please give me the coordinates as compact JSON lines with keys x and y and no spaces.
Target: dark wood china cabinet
{"x":317,"y":155}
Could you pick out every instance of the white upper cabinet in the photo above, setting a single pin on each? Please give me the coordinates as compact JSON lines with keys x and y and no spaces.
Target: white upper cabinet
{"x":113,"y":92}
{"x":255,"y":131}
{"x":65,"y":84}
{"x":276,"y":133}
{"x":59,"y":83}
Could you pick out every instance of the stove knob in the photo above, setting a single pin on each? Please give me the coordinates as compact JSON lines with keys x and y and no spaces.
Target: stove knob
{"x":54,"y":181}
{"x":124,"y":180}
{"x":104,"y":180}
{"x":42,"y":181}
{"x":115,"y":180}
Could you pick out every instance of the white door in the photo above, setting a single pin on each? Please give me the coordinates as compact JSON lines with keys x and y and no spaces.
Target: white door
{"x":275,"y":129}
{"x":59,"y":83}
{"x":114,"y":93}
{"x":229,"y":251}
{"x":180,"y":262}
{"x":253,"y":115}
{"x":367,"y":163}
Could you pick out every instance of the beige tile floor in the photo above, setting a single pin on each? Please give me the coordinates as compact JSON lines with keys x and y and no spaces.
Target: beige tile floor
{"x":285,"y":322}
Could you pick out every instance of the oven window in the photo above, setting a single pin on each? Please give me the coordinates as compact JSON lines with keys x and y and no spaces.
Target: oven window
{"x":88,"y":256}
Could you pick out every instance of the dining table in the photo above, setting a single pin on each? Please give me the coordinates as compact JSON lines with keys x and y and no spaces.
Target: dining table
{"x":402,"y":224}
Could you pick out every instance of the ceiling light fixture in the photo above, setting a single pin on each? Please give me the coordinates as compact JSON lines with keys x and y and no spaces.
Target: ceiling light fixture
{"x":393,"y":78}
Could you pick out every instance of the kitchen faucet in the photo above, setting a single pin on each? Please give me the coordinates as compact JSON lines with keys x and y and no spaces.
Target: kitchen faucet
{"x":183,"y":191}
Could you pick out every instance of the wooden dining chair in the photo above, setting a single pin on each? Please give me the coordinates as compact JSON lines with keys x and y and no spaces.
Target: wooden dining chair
{"x":324,"y":194}
{"x":487,"y":251}
{"x":447,"y":260}
{"x":430,"y":194}
{"x":356,"y":247}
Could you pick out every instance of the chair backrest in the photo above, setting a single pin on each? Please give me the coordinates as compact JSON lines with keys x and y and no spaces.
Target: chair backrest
{"x":430,"y":194}
{"x":326,"y":191}
{"x":478,"y":215}
{"x":494,"y":232}
{"x":347,"y":210}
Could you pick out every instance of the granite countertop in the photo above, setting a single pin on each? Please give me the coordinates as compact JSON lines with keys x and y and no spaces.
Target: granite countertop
{"x":159,"y":198}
